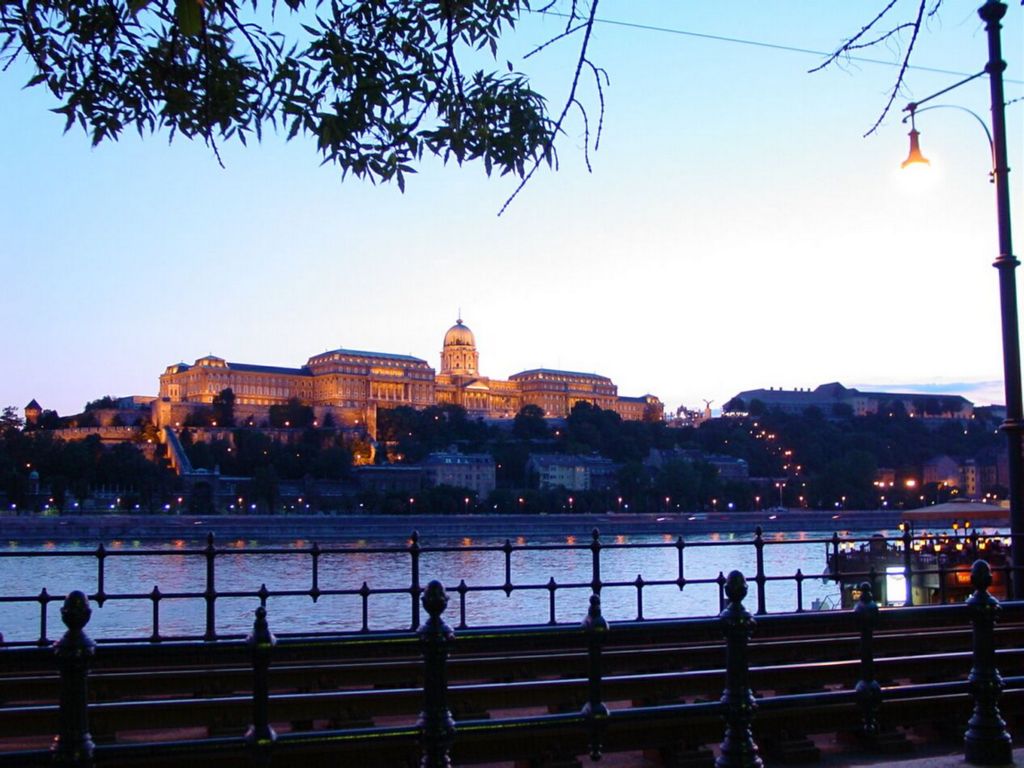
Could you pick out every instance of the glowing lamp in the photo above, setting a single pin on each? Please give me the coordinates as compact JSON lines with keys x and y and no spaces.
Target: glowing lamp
{"x":915,"y":157}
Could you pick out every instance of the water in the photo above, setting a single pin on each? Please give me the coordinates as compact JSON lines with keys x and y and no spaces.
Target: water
{"x":132,"y":570}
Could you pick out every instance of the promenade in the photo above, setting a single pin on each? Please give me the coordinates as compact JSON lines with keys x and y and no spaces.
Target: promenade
{"x":96,"y":528}
{"x":939,"y":756}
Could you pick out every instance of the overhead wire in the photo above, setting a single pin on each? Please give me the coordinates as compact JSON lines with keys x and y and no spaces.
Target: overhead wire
{"x":764,"y":44}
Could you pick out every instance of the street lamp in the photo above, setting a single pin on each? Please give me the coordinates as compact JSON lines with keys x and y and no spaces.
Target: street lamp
{"x":992,"y":13}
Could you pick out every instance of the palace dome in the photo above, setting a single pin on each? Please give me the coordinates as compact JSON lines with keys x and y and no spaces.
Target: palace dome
{"x":459,"y":336}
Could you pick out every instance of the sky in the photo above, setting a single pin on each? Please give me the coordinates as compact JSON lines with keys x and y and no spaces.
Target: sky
{"x":737,"y":229}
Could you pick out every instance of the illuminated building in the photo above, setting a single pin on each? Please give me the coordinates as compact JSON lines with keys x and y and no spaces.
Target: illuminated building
{"x":475,"y":471}
{"x":350,"y":386}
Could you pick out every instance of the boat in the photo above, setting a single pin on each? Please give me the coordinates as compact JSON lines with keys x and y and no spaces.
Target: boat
{"x":936,"y":569}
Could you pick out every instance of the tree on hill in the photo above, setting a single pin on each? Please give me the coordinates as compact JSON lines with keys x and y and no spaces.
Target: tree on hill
{"x":9,"y":419}
{"x":85,"y":419}
{"x":50,"y":419}
{"x":529,"y":423}
{"x":292,"y":414}
{"x":107,"y":401}
{"x":735,"y":405}
{"x":224,"y":408}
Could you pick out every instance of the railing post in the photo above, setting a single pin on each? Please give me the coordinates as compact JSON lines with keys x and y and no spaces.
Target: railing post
{"x":596,"y":628}
{"x":834,"y":560}
{"x":595,"y":549}
{"x":738,"y":749}
{"x":75,"y":650}
{"x":908,"y":563}
{"x":681,"y":577}
{"x":759,"y":578}
{"x":799,"y":577}
{"x":261,"y":642}
{"x":986,"y":741}
{"x":314,"y":589}
{"x":552,"y":586}
{"x":210,"y":594}
{"x":414,"y":577}
{"x":44,"y":604}
{"x":437,"y":728}
{"x":507,"y":550}
{"x":155,"y":597}
{"x":101,"y":595}
{"x":869,"y":692}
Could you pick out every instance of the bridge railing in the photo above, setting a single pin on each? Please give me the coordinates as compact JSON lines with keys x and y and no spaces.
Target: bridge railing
{"x":409,"y":566}
{"x":594,"y":727}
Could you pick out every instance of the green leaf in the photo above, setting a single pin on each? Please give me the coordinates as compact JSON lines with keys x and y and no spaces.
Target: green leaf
{"x":137,"y":5}
{"x":189,"y":15}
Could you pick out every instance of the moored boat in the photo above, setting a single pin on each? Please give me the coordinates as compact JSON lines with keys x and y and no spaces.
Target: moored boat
{"x":918,"y":568}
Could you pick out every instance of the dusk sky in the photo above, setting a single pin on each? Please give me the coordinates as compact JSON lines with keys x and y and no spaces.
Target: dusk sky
{"x":737,"y":230}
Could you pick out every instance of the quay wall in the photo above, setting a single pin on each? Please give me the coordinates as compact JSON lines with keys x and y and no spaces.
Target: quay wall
{"x":92,"y":529}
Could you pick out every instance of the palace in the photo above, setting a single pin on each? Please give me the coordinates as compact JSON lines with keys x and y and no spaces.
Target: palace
{"x":351,"y":385}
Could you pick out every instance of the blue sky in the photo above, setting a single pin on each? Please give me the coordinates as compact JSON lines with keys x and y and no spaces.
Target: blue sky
{"x":737,"y":230}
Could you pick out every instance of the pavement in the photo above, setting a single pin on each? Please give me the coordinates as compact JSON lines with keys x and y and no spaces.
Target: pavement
{"x":923,"y":757}
{"x":940,"y":760}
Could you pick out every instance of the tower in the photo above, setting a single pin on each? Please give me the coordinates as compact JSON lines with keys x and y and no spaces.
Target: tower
{"x":32,"y":413}
{"x":459,"y":356}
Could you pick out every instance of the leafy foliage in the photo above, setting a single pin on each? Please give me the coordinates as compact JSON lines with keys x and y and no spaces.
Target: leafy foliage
{"x":107,"y":401}
{"x":72,"y":469}
{"x":377,"y":83}
{"x":413,"y":433}
{"x":224,"y":408}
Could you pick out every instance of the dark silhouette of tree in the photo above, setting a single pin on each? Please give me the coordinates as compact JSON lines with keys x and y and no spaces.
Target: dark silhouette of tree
{"x":888,"y":29}
{"x":107,"y":401}
{"x":50,"y":419}
{"x":292,"y":414}
{"x":224,"y":408}
{"x":842,"y":410}
{"x":85,"y":419}
{"x":9,"y":419}
{"x":199,"y":417}
{"x":735,"y":405}
{"x":529,"y":423}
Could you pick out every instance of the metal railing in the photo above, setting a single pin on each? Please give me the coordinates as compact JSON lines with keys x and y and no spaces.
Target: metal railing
{"x":987,"y":741}
{"x":839,"y":553}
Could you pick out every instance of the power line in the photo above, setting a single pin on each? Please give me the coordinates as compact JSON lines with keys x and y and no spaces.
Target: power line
{"x":770,"y":46}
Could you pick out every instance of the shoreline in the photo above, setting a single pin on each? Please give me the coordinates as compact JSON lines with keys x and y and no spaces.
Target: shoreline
{"x":102,"y":528}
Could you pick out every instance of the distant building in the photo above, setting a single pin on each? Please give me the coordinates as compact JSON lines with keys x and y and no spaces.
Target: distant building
{"x":474,"y":471}
{"x":351,"y":385}
{"x":573,"y":473}
{"x":32,"y":412}
{"x":727,"y":467}
{"x":687,"y":417}
{"x":389,"y":477}
{"x":941,"y":469}
{"x":833,"y":398}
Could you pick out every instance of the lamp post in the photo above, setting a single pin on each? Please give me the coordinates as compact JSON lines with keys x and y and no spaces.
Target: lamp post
{"x":992,"y":12}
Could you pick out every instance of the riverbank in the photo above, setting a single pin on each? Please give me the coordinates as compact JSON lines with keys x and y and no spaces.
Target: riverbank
{"x":97,"y":528}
